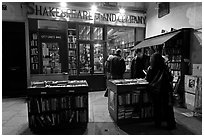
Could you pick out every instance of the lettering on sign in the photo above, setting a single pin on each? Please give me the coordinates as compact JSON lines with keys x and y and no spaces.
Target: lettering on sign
{"x":86,"y":15}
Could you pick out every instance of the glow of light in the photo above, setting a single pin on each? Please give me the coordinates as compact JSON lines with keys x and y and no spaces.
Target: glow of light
{"x":93,"y":8}
{"x":92,"y":13}
{"x":122,"y":11}
{"x":63,"y":4}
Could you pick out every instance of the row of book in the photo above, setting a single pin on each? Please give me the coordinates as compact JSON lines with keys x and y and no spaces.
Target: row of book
{"x":56,"y":119}
{"x":72,"y":38}
{"x":173,"y":51}
{"x":33,"y":43}
{"x":34,"y":51}
{"x":135,"y":112}
{"x":72,"y":53}
{"x":176,"y":73}
{"x":34,"y":36}
{"x":73,"y":72}
{"x":72,"y":65}
{"x":66,"y":83}
{"x":175,"y":66}
{"x":72,"y":45}
{"x":38,"y":105}
{"x":133,"y":98}
{"x":34,"y":66}
{"x":34,"y":59}
{"x":176,"y":58}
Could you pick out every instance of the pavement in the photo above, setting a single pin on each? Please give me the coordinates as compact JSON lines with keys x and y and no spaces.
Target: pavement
{"x":15,"y":120}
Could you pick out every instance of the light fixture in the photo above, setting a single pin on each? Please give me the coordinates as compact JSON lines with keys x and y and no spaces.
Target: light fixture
{"x":93,"y":8}
{"x":122,"y":10}
{"x":63,"y":4}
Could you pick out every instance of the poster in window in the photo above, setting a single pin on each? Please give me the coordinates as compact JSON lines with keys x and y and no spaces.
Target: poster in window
{"x":191,"y":83}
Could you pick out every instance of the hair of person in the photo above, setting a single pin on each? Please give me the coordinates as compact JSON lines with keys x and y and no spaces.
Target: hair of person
{"x":118,"y":51}
{"x":157,"y":61}
{"x":138,"y":50}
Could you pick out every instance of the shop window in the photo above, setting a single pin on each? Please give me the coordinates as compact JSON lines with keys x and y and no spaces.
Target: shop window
{"x":72,"y":49}
{"x":84,"y":58}
{"x":98,"y":58}
{"x":51,"y":58}
{"x":84,"y":32}
{"x":98,"y":33}
{"x":163,"y":9}
{"x":48,"y":53}
{"x":123,"y":38}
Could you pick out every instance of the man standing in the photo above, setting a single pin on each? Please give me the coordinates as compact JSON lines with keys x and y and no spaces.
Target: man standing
{"x":117,"y":66}
{"x":139,"y":65}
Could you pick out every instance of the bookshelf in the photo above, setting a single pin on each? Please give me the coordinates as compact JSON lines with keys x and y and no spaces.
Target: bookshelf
{"x":72,"y":51}
{"x":128,"y":101}
{"x":34,"y":53}
{"x":57,"y":105}
{"x":175,"y":59}
{"x":177,"y":50}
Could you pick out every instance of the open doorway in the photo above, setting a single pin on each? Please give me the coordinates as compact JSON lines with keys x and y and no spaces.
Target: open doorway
{"x":123,"y":38}
{"x":14,"y":78}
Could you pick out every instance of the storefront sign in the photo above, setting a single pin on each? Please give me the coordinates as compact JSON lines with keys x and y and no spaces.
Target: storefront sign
{"x":85,"y":15}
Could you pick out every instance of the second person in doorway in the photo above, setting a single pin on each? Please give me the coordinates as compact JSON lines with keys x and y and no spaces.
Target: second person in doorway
{"x":139,"y":65}
{"x":116,"y":67}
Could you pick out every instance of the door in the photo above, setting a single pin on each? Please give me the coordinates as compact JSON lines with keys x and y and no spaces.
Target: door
{"x":91,"y":56}
{"x":14,"y":77}
{"x":91,"y":64}
{"x":85,"y":59}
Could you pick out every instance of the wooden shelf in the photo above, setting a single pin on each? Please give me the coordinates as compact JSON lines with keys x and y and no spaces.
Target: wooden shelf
{"x":52,"y":105}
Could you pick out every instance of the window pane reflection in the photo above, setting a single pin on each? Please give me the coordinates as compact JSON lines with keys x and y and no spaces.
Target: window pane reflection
{"x":84,"y":32}
{"x":98,"y":33}
{"x":98,"y":58}
{"x":84,"y":59}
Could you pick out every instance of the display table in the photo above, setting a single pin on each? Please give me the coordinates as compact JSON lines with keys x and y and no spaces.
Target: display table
{"x":57,"y":104}
{"x":128,"y":100}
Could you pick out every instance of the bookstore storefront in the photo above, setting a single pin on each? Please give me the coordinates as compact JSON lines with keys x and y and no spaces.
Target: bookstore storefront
{"x":74,"y":42}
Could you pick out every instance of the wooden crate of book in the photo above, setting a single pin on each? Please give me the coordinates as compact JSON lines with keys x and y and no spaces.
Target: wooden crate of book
{"x":129,"y":101}
{"x":57,"y":104}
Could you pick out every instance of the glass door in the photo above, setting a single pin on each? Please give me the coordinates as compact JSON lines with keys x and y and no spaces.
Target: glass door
{"x":98,"y":49}
{"x":91,"y":49}
{"x":84,"y":58}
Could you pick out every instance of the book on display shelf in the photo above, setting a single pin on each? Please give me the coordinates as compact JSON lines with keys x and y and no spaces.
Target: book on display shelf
{"x":131,"y":100}
{"x":62,"y":104}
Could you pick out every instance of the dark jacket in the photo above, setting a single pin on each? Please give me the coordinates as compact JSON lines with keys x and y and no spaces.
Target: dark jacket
{"x":138,"y":65}
{"x":160,"y":78}
{"x":117,"y":67}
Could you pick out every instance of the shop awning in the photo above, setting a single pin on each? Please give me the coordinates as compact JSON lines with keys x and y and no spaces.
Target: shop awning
{"x":157,"y":40}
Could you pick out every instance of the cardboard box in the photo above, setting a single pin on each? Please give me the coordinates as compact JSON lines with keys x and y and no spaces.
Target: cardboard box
{"x":193,"y":92}
{"x":197,"y":66}
{"x":190,"y":100}
{"x":191,"y":83}
{"x":197,"y":70}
